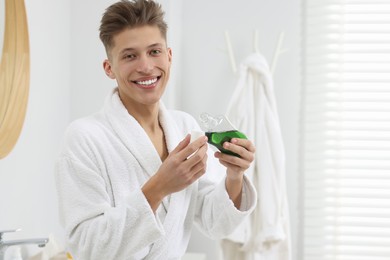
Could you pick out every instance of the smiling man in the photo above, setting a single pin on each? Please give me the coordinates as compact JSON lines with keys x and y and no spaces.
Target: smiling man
{"x":130,"y":183}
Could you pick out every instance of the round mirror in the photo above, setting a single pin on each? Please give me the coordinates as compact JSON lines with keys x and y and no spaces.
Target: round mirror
{"x":14,"y":73}
{"x":2,"y":25}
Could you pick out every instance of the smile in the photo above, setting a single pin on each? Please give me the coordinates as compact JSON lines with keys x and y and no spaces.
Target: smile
{"x":147,"y":82}
{"x":150,"y":83}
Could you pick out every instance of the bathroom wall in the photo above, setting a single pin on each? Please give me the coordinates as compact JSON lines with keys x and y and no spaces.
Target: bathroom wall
{"x":89,"y":83}
{"x":27,"y":194}
{"x":67,"y":82}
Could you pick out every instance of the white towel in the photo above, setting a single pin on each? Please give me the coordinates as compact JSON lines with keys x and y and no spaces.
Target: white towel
{"x":253,"y":111}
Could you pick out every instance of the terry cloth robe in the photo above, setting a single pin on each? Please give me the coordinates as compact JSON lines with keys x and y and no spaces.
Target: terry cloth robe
{"x":252,"y":109}
{"x":106,"y":159}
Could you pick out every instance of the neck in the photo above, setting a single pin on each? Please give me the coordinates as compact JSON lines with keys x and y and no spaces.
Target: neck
{"x":146,"y":116}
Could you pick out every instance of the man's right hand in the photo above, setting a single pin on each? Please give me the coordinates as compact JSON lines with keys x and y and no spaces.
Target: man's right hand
{"x":183,"y":166}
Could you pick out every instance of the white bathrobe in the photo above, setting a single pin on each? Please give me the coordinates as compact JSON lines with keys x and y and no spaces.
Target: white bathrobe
{"x":106,"y":159}
{"x":252,"y":109}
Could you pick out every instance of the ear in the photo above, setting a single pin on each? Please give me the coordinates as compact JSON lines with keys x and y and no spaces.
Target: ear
{"x":170,"y":55}
{"x":108,"y":69}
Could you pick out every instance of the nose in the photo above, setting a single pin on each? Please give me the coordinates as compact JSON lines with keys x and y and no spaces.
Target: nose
{"x":145,"y":64}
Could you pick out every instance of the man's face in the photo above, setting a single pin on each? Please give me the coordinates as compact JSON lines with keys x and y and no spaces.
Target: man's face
{"x":140,"y":62}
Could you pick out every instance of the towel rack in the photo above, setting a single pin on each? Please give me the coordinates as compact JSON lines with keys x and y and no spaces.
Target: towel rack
{"x":277,"y":52}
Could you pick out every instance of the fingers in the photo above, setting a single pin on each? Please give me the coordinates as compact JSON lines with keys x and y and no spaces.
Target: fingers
{"x":177,"y":172}
{"x":192,"y":159}
{"x":192,"y":148}
{"x":197,"y":156}
{"x":198,"y":174}
{"x":247,"y":144}
{"x":230,"y":161}
{"x":183,"y":144}
{"x":197,"y":170}
{"x":244,"y":148}
{"x":191,"y":169}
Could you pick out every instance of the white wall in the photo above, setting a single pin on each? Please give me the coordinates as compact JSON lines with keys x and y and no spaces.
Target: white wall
{"x":67,"y":82}
{"x":27,"y":193}
{"x":89,"y":83}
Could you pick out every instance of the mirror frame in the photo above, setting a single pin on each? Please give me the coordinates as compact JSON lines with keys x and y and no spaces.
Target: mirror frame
{"x":14,"y":75}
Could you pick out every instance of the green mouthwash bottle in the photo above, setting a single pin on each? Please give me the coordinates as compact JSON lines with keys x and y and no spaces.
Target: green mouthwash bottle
{"x":219,"y":130}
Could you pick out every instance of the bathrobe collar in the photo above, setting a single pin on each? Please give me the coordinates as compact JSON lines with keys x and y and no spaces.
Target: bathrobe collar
{"x":134,"y":136}
{"x":138,"y":143}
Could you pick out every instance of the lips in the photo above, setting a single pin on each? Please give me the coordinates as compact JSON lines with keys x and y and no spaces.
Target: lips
{"x":147,"y":83}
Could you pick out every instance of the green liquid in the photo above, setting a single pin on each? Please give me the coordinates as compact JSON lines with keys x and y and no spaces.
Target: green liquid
{"x":218,"y":138}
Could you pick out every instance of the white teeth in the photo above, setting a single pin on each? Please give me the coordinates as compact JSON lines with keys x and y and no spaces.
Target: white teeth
{"x":147,"y":82}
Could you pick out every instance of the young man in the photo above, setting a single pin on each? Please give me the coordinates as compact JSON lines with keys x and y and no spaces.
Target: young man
{"x":130,"y":183}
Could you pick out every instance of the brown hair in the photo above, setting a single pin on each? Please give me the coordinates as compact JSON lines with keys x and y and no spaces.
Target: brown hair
{"x":130,"y":14}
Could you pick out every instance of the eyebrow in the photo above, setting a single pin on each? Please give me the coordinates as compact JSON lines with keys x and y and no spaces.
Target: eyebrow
{"x":133,"y":49}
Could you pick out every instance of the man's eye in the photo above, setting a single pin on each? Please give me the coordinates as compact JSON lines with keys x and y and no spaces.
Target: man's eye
{"x":129,"y":56}
{"x":155,"y":52}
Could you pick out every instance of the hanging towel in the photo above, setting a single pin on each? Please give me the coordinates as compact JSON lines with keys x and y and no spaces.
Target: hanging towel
{"x":252,"y":109}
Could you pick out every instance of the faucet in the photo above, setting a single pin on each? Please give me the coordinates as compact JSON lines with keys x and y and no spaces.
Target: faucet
{"x":41,"y":242}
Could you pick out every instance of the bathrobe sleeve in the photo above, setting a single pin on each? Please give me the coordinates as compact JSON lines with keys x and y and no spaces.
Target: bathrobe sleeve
{"x":94,"y":227}
{"x":216,"y":215}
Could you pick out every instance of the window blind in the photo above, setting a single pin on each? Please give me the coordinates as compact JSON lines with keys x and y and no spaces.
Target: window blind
{"x":346,"y":130}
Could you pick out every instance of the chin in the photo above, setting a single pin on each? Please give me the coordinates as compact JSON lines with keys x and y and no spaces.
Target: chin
{"x":151,"y":101}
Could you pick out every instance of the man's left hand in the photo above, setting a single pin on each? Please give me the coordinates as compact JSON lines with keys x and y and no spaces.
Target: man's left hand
{"x":236,"y":166}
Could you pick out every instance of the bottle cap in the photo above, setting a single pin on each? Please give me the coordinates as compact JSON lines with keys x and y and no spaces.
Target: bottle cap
{"x":218,"y":123}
